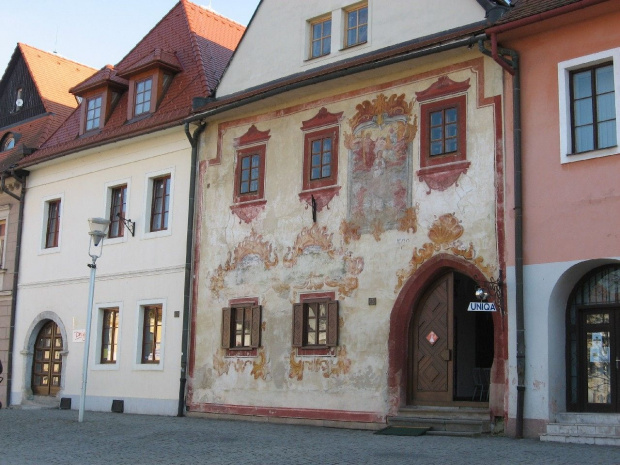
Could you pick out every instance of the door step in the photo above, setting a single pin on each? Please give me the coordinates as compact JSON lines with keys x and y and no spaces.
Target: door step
{"x":447,"y":421}
{"x":584,"y":428}
{"x":39,"y":403}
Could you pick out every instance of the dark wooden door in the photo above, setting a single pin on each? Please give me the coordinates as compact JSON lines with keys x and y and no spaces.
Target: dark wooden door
{"x":431,"y":345}
{"x":47,"y":364}
{"x":600,"y":360}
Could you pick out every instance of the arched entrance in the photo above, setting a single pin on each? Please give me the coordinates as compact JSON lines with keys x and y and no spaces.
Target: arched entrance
{"x":593,"y":342}
{"x":47,"y":363}
{"x":450,"y":349}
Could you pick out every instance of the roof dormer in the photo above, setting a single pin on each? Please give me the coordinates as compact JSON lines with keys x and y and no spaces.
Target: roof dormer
{"x":100,"y":93}
{"x":149,"y":78}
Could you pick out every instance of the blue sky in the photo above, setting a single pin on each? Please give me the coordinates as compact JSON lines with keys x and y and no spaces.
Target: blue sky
{"x":94,"y":32}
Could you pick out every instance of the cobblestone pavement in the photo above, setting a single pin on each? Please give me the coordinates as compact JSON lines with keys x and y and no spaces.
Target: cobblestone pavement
{"x":35,"y":437}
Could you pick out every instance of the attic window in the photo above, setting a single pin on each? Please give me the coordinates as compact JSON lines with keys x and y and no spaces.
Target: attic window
{"x":8,"y":142}
{"x":93,"y":113}
{"x":143,"y":96}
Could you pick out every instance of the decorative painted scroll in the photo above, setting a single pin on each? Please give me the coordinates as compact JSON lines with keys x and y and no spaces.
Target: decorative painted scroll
{"x":337,"y":364}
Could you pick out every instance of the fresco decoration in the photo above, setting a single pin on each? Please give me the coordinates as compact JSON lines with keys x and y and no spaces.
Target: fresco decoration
{"x":337,"y":364}
{"x":380,"y":153}
{"x":409,"y":221}
{"x":252,"y":249}
{"x":315,"y":237}
{"x":350,"y":232}
{"x":223,"y":365}
{"x":444,"y":234}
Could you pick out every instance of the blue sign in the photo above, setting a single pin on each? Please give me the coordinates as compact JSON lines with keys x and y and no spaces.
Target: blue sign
{"x":481,"y":307}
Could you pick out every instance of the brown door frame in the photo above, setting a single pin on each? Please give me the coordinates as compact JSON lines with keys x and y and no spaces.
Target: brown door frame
{"x":50,"y":389}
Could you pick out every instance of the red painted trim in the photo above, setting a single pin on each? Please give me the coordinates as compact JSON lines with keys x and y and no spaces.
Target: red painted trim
{"x":444,"y":86}
{"x":281,"y":412}
{"x":261,"y":151}
{"x":252,"y":136}
{"x":322,"y":196}
{"x":322,"y":118}
{"x":243,"y":300}
{"x":310,"y":137}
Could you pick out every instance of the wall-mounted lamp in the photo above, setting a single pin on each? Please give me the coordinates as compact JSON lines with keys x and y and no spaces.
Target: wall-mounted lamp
{"x":494,"y":289}
{"x":130,"y":225}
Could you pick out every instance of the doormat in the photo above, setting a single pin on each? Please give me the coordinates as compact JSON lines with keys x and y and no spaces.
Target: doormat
{"x":403,"y":431}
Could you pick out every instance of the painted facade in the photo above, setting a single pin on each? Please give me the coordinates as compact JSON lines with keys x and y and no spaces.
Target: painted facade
{"x":383,"y":226}
{"x":568,"y":231}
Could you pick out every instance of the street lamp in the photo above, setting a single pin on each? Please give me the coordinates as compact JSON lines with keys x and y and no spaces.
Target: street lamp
{"x":98,"y":230}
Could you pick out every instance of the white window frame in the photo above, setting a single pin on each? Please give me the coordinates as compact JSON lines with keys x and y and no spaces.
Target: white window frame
{"x":106,"y":207}
{"x":138,"y":365}
{"x":96,"y":351}
{"x":564,"y":69}
{"x":4,"y":215}
{"x":44,"y":212}
{"x":148,"y":196}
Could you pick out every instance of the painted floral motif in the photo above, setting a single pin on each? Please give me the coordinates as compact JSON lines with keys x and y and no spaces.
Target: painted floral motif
{"x":380,"y":158}
{"x":223,"y":365}
{"x":444,"y":234}
{"x":350,"y":232}
{"x":249,"y":250}
{"x":315,"y":237}
{"x":409,"y":221}
{"x":337,"y":364}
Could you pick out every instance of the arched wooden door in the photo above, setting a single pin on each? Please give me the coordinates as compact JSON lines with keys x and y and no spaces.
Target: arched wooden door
{"x":47,"y":364}
{"x":432,"y":342}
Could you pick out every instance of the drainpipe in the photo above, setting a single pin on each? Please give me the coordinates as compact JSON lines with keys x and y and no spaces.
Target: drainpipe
{"x":193,"y":140}
{"x":21,"y":178}
{"x":509,"y":60}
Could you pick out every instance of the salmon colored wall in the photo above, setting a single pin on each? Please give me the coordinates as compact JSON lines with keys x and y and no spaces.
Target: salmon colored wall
{"x":570,"y":210}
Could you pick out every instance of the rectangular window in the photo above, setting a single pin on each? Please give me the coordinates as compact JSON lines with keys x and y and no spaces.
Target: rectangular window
{"x":356,"y":29}
{"x":241,"y":326}
{"x":109,"y":335}
{"x":315,"y":323}
{"x":151,"y":334}
{"x":143,"y":96}
{"x":443,"y":126}
{"x":53,"y":224}
{"x":118,"y":205}
{"x":593,"y":109}
{"x":93,"y":113}
{"x":160,"y":203}
{"x":321,"y":158}
{"x":2,"y":243}
{"x":321,"y":37}
{"x":444,"y":131}
{"x":250,"y":174}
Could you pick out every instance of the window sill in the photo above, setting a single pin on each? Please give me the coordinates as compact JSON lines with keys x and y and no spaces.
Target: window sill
{"x":106,"y":367}
{"x":149,"y":366}
{"x":49,"y":250}
{"x":349,"y":47}
{"x":606,"y":152}
{"x":316,"y":351}
{"x":247,"y":211}
{"x":322,"y":196}
{"x":440,"y":177}
{"x":156,"y":234}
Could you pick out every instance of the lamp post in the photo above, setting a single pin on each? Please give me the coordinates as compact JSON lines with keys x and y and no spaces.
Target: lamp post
{"x":98,"y":230}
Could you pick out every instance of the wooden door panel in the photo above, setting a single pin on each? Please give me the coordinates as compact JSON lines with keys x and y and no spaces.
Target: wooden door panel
{"x":47,"y":363}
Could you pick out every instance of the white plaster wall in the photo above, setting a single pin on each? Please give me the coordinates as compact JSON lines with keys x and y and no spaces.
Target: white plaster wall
{"x":390,"y":23}
{"x":131,"y":270}
{"x":547,"y":288}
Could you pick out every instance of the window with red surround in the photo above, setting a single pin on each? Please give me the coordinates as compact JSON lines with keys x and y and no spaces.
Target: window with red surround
{"x":320,"y":169}
{"x":315,"y":324}
{"x":249,"y":196}
{"x":241,"y":327}
{"x":443,"y":133}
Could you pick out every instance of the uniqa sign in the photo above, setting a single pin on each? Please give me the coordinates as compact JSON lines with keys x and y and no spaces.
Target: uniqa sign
{"x":481,"y":307}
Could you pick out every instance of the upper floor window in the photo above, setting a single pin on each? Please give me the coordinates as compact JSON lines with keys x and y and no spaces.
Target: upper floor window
{"x":2,"y":243}
{"x":151,"y":333}
{"x":443,"y":131}
{"x":93,"y":113}
{"x":8,"y":142}
{"x":356,"y":26}
{"x":53,"y":223}
{"x":160,"y":204}
{"x":593,"y":110}
{"x":443,"y":126}
{"x":109,"y":335}
{"x":589,"y":99}
{"x":143,"y":96}
{"x":118,"y":205}
{"x":321,"y":37}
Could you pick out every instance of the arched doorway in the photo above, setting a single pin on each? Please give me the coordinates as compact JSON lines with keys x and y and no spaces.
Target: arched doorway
{"x":47,"y":363}
{"x":593,"y":342}
{"x":451,"y":350}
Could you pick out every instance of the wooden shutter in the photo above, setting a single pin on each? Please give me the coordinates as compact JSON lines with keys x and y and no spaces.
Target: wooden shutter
{"x":226,"y":315}
{"x":255,"y":338}
{"x":332,"y":323}
{"x":298,"y":325}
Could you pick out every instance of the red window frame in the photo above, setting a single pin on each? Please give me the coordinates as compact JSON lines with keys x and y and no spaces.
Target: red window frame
{"x":160,"y":203}
{"x":330,"y":134}
{"x":460,"y":154}
{"x":259,"y":193}
{"x":152,"y":324}
{"x":109,"y":336}
{"x":53,"y":224}
{"x":118,"y":205}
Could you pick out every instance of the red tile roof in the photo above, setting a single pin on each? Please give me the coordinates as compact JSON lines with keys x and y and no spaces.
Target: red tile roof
{"x":202,"y":43}
{"x":527,"y":8}
{"x":107,"y":74}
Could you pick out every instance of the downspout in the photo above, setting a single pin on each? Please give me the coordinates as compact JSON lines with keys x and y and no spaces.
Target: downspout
{"x":188,"y":262}
{"x":511,"y":65}
{"x":22,"y":197}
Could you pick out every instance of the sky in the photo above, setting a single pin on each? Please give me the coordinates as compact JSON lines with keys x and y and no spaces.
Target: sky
{"x":94,"y":32}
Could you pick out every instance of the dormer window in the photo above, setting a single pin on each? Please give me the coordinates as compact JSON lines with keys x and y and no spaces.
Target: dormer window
{"x":8,"y":142}
{"x":143,"y":96}
{"x":93,"y":113}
